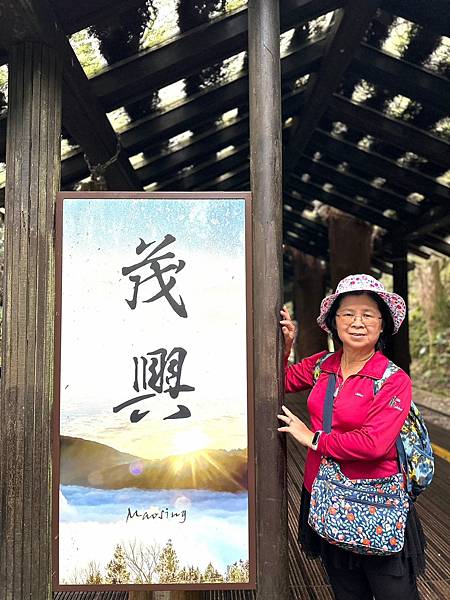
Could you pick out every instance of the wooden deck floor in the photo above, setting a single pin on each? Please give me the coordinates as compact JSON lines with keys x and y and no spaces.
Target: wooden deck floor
{"x":307,"y":578}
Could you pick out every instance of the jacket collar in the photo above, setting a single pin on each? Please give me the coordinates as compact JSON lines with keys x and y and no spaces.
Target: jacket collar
{"x":374,"y":367}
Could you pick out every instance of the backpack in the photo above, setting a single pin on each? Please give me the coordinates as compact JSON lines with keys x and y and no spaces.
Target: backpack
{"x":413,"y":443}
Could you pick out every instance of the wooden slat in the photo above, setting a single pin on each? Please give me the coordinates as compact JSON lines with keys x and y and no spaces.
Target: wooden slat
{"x":205,"y":106}
{"x":354,"y":185}
{"x":75,"y":16}
{"x":391,"y":131}
{"x":186,"y":54}
{"x":349,"y":28}
{"x":341,"y":201}
{"x":401,"y":77}
{"x":418,"y":12}
{"x":372,"y":163}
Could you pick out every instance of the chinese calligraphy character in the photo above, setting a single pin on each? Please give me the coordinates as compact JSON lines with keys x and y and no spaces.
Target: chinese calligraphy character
{"x":153,"y":262}
{"x":161,"y":373}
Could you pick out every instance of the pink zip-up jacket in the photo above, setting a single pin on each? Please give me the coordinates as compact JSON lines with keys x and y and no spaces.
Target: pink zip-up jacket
{"x":364,"y":426}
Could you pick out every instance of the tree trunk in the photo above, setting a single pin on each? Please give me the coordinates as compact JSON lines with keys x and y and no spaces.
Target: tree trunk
{"x":433,"y":299}
{"x":309,"y":289}
{"x":350,"y":245}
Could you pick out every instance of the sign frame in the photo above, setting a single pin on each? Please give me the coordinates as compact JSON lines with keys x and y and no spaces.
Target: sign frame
{"x":59,"y":240}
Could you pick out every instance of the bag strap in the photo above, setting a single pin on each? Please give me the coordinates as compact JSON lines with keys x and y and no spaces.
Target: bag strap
{"x":401,"y":454}
{"x":328,"y":403}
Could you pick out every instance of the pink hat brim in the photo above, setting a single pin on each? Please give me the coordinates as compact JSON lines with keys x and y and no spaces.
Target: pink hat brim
{"x":394,"y":302}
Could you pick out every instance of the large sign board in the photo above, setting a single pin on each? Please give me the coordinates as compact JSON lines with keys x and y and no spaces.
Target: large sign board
{"x":153,"y":430}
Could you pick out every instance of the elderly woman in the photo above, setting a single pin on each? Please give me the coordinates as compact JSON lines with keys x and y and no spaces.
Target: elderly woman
{"x":361,"y":315}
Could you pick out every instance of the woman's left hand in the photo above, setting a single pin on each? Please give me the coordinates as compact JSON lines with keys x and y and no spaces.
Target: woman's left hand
{"x":296,"y":428}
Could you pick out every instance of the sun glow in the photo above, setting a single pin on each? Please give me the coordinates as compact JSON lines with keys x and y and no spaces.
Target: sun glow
{"x":191,"y":440}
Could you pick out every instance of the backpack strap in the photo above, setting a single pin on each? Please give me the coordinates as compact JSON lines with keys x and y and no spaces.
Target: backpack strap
{"x":391,"y":368}
{"x":377,"y":385}
{"x":318,"y":365}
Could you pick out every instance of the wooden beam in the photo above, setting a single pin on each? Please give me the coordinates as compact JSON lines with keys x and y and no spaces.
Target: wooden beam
{"x":75,"y":16}
{"x":435,"y":243}
{"x":211,"y":103}
{"x":353,"y":185}
{"x":239,"y":179}
{"x":431,"y":219}
{"x":401,"y":77}
{"x":348,"y":30}
{"x":201,"y":173}
{"x":307,"y":246}
{"x":419,"y":12}
{"x":83,"y":116}
{"x":392,"y":131}
{"x":338,"y":200}
{"x":136,"y":77}
{"x":195,"y":151}
{"x":378,"y":166}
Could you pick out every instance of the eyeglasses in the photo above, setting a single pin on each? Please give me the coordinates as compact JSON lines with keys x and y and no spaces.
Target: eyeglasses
{"x":367,"y":318}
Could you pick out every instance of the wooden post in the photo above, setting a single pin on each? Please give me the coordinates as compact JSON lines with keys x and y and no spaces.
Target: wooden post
{"x":266,"y":185}
{"x":400,"y":342}
{"x":33,"y":175}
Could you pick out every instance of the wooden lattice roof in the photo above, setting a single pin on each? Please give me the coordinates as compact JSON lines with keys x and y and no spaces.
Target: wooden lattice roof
{"x":341,"y":149}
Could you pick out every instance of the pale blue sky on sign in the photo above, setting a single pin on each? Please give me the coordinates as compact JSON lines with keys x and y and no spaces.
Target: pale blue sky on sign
{"x":101,"y":334}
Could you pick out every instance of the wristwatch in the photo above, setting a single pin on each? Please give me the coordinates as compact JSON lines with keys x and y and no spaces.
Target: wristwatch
{"x":315,"y":440}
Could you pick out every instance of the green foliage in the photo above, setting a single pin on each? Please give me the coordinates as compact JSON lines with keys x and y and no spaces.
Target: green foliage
{"x":235,"y":4}
{"x":167,"y":566}
{"x":3,"y":86}
{"x":430,"y":352}
{"x":116,"y":570}
{"x":138,"y":563}
{"x":211,"y":575}
{"x":238,"y":572}
{"x":189,"y":575}
{"x":93,"y":575}
{"x":87,"y":52}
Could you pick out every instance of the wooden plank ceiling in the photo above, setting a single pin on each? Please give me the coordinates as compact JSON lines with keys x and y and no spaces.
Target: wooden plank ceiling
{"x":340,"y":149}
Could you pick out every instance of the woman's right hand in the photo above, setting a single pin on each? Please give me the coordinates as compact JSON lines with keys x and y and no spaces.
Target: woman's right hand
{"x":288,"y":329}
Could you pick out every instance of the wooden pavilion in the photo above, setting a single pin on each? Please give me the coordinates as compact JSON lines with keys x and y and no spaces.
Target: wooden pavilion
{"x":327,"y":105}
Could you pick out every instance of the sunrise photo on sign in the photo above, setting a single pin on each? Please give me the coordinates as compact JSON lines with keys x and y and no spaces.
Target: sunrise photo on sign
{"x":153,"y":402}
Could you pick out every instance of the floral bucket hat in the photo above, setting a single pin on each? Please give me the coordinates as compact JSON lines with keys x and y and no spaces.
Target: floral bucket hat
{"x":366,"y":283}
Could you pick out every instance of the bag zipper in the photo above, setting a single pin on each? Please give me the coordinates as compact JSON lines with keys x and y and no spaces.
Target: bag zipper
{"x":346,"y":487}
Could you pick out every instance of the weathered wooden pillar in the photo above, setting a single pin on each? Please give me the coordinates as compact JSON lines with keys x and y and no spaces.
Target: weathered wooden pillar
{"x":266,"y":185}
{"x":309,"y":289}
{"x":400,"y":342}
{"x":33,"y":175}
{"x":350,"y":245}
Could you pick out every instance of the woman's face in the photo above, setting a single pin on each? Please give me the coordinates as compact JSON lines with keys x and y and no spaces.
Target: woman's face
{"x":359,"y":323}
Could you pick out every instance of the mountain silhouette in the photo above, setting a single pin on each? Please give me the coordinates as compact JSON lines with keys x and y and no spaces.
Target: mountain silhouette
{"x":91,"y":464}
